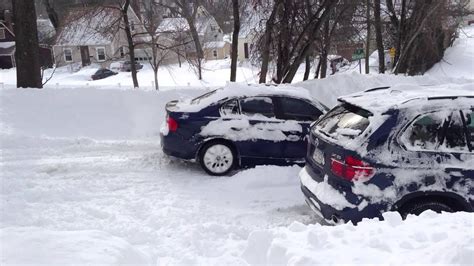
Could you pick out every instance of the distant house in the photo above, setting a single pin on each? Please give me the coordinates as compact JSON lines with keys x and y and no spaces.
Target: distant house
{"x":209,"y":32}
{"x":249,"y":31}
{"x":8,"y":47}
{"x":216,"y":50}
{"x":93,"y":36}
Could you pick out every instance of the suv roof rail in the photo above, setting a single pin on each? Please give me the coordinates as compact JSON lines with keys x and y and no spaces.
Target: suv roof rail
{"x":377,"y":88}
{"x":450,"y":97}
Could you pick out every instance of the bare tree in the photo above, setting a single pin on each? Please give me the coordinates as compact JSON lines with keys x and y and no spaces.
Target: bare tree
{"x":378,"y":36}
{"x":368,"y":37}
{"x":235,"y":40}
{"x":290,"y":35}
{"x":27,"y":48}
{"x":188,"y":9}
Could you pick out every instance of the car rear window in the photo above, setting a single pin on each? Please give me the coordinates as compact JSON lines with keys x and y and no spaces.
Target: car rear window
{"x":344,"y":121}
{"x":204,"y":96}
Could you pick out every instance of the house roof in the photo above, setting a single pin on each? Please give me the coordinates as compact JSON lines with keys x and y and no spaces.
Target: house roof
{"x":86,"y":26}
{"x":173,"y":25}
{"x":179,"y":24}
{"x":7,"y":48}
{"x":4,"y":26}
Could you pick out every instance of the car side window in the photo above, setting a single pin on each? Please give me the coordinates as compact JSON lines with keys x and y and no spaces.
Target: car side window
{"x":256,"y":106}
{"x":296,"y":109}
{"x":230,"y":107}
{"x":438,"y":131}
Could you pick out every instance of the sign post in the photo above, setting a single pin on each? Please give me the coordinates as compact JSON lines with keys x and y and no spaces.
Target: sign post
{"x":358,"y":55}
{"x":392,"y":52}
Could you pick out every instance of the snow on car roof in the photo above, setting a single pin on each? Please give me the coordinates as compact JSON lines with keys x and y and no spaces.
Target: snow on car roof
{"x":385,"y":98}
{"x":234,"y":90}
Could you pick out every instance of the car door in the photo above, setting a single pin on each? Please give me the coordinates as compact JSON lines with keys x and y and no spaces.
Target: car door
{"x":298,"y":115}
{"x":437,"y":149}
{"x":260,"y":135}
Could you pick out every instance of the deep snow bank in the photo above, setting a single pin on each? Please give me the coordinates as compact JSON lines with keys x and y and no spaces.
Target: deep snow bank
{"x":85,"y":112}
{"x":37,"y":246}
{"x":428,"y":239}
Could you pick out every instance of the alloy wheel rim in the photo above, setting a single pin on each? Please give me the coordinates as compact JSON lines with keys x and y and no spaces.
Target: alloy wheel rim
{"x":218,"y":158}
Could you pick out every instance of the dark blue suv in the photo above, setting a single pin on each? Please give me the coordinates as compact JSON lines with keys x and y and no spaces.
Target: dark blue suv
{"x":392,"y":149}
{"x":241,"y":126}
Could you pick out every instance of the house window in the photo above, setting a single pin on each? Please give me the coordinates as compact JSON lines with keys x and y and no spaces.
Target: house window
{"x":214,"y":52}
{"x":122,"y":52}
{"x":2,"y":33}
{"x":68,"y":55}
{"x":101,"y":54}
{"x":132,"y":26}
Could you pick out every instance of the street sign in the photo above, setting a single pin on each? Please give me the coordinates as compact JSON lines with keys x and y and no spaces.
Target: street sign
{"x":392,"y":52}
{"x":358,"y":54}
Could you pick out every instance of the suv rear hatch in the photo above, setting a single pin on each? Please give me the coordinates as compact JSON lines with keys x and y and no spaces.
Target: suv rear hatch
{"x":334,"y":144}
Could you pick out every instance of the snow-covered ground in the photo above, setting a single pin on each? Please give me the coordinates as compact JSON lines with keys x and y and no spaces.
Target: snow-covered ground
{"x":83,"y":181}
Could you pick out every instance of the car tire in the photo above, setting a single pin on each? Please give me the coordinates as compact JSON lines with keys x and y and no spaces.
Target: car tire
{"x":217,"y":158}
{"x":420,"y":206}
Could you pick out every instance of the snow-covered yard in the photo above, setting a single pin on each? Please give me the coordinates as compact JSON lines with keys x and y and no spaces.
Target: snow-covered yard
{"x":83,"y":181}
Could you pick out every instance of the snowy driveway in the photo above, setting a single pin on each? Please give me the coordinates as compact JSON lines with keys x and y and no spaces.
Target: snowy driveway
{"x":83,"y":181}
{"x":168,"y":210}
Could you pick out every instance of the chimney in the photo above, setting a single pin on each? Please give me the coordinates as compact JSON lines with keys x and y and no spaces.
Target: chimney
{"x":7,"y":15}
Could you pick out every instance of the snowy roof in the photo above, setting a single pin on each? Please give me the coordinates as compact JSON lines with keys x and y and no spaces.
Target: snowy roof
{"x":5,"y":45}
{"x":173,"y":25}
{"x":385,"y":98}
{"x":234,"y":90}
{"x":214,"y":45}
{"x":179,"y":24}
{"x":89,"y":27}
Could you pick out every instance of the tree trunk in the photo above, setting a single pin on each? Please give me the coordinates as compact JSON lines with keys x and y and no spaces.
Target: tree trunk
{"x":378,"y":36}
{"x":325,"y":50}
{"x":28,"y":67}
{"x":307,"y":68}
{"x":267,"y":43}
{"x":155,"y":72}
{"x":367,"y":42}
{"x":235,"y":41}
{"x":131,"y":45}
{"x":318,"y":69}
{"x":197,"y":43}
{"x":52,"y":14}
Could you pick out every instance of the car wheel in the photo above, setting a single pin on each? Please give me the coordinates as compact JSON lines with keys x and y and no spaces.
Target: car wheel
{"x":217,"y":158}
{"x":420,"y":206}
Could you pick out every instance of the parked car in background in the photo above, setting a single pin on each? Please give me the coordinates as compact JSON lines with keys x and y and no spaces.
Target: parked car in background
{"x":405,"y":149}
{"x":103,"y":73}
{"x":124,"y":66}
{"x":127,"y":66}
{"x":239,"y":126}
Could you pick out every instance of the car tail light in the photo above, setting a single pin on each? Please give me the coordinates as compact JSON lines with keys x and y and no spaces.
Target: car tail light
{"x":352,"y":169}
{"x":172,"y":124}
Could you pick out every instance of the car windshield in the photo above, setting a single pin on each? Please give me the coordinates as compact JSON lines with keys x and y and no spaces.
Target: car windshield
{"x":204,"y":96}
{"x":344,"y":121}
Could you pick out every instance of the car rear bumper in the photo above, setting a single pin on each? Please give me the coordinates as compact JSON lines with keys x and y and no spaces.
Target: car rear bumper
{"x":175,"y":145}
{"x":333,"y":204}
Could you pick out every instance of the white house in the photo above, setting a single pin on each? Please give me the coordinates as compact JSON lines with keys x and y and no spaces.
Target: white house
{"x":93,"y":36}
{"x":209,"y":31}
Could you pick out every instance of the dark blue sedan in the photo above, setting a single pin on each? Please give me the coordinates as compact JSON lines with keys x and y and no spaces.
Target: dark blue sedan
{"x":240,"y":126}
